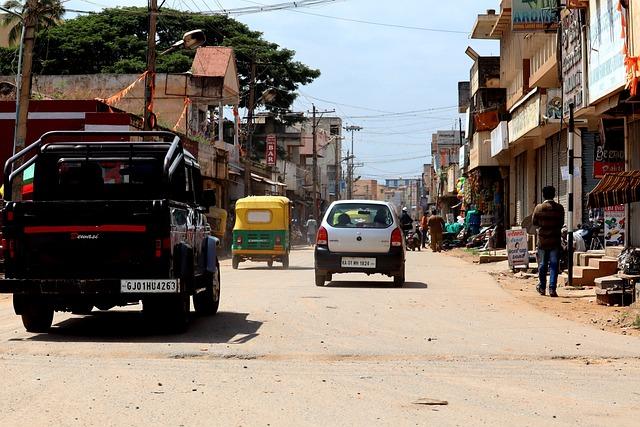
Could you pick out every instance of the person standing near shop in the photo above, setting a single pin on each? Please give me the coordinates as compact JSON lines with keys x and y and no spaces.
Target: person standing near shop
{"x":436,"y":229}
{"x":312,"y":229}
{"x":548,"y":217}
{"x":424,"y":225}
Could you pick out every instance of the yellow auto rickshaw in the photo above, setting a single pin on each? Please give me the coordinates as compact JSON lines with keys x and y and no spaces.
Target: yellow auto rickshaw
{"x":262,"y":230}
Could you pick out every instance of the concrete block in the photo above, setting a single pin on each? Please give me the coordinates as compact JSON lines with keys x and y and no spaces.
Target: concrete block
{"x":608,"y":282}
{"x":605,"y":266}
{"x":613,"y":251}
{"x":585,"y":257}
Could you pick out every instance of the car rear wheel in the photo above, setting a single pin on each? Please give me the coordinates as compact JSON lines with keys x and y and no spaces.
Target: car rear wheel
{"x":320,"y":279}
{"x":398,"y":279}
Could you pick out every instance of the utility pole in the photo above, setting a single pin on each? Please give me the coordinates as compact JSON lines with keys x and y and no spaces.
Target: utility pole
{"x":23,"y":91}
{"x":350,"y":159}
{"x":570,"y":196}
{"x":150,"y":79}
{"x":314,"y":129}
{"x":336,"y":162}
{"x":25,"y":77}
{"x":249,"y":148}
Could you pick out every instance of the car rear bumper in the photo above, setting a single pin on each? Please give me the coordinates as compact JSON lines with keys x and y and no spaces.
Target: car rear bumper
{"x":327,"y":262}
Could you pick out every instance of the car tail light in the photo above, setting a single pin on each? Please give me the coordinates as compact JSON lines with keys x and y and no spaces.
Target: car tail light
{"x":322,"y":238}
{"x":9,"y":216}
{"x":396,"y":237}
{"x":162,"y":245}
{"x":278,"y":240}
{"x":9,"y":248}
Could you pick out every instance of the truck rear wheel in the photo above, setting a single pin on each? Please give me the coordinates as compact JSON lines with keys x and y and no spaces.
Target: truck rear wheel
{"x":207,"y":302}
{"x":37,"y":316}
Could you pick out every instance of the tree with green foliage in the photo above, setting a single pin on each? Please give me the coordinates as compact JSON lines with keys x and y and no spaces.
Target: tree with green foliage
{"x":49,"y":13}
{"x":115,"y":40}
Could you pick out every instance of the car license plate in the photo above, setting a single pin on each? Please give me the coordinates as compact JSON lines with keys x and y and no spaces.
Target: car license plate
{"x":352,"y":262}
{"x":149,"y":286}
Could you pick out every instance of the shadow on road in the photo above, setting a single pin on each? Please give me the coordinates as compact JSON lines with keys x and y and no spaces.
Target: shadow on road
{"x":276,"y":267}
{"x":375,"y":285}
{"x":131,"y":326}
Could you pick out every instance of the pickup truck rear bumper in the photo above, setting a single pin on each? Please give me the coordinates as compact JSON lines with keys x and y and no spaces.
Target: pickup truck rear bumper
{"x":64,"y":287}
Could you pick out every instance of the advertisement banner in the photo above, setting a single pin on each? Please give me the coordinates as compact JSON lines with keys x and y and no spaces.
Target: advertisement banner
{"x":517,"y":249}
{"x":614,"y":225}
{"x":271,"y":150}
{"x":534,"y":15}
{"x":609,"y":148}
{"x":605,"y":59}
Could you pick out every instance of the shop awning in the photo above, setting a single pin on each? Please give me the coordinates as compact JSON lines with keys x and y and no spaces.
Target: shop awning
{"x":618,"y":188}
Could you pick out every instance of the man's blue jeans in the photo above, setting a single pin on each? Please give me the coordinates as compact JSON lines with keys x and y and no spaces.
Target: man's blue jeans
{"x":548,"y":260}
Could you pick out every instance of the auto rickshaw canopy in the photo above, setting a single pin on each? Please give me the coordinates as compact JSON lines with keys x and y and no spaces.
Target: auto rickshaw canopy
{"x":263,"y":213}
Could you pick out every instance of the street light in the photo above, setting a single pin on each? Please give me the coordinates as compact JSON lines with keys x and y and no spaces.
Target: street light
{"x":18,"y":76}
{"x":190,"y":40}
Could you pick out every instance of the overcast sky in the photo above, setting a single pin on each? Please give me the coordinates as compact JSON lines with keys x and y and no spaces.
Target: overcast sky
{"x":369,"y":71}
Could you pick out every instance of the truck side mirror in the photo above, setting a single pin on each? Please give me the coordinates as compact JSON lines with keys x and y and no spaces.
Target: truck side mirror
{"x":209,"y":197}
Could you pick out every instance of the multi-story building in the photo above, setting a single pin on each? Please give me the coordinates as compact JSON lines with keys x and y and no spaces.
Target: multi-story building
{"x":598,"y":79}
{"x":366,"y":189}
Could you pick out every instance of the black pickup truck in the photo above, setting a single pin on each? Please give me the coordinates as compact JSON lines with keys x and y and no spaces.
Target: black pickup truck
{"x":105,"y":219}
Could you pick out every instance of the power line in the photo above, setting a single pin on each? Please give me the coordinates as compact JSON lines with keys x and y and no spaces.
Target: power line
{"x":362,"y":21}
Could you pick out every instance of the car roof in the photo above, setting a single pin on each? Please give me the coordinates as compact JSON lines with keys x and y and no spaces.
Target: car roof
{"x":374,"y":202}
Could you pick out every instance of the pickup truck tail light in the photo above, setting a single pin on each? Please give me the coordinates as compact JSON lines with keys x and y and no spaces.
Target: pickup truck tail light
{"x":322,"y":238}
{"x":396,"y":237}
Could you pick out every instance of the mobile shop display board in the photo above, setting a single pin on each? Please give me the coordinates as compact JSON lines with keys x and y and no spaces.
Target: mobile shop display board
{"x":517,"y":248}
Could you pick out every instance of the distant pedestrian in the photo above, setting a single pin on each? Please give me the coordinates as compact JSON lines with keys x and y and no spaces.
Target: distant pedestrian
{"x":436,"y":230}
{"x":424,"y":225}
{"x":548,"y":216}
{"x":405,"y":220}
{"x":312,"y":229}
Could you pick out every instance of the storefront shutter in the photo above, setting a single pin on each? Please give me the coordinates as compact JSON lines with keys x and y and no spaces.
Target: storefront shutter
{"x":521,"y":187}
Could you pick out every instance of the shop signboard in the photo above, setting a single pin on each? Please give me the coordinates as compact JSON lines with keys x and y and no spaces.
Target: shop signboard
{"x":517,"y":250}
{"x":525,"y":119}
{"x":609,"y":148}
{"x":500,"y":138}
{"x":534,"y":15}
{"x":614,"y":221}
{"x":271,"y":150}
{"x":572,"y":61}
{"x":606,"y":70}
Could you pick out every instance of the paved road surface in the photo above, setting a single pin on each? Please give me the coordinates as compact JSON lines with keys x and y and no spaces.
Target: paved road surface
{"x":284,"y":352}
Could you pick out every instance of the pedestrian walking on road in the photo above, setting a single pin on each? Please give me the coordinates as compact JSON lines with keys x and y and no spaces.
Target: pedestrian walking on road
{"x":436,"y":229}
{"x":548,"y":216}
{"x":312,"y":229}
{"x":424,"y":225}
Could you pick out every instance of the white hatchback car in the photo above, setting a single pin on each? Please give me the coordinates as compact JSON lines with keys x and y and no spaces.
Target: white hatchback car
{"x":360,"y":236}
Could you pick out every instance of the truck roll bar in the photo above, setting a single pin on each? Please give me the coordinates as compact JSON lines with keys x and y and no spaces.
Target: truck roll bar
{"x":175,"y":151}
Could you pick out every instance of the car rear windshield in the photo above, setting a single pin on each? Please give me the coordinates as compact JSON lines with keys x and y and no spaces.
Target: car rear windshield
{"x":360,"y":215}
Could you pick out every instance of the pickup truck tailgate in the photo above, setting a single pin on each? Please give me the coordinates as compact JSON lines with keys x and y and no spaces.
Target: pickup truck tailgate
{"x":85,"y":239}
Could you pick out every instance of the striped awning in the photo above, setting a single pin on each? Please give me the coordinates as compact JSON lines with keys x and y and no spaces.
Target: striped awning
{"x":617,"y":188}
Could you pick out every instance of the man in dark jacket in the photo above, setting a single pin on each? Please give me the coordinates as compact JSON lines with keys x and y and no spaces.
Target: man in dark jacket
{"x":548,"y":216}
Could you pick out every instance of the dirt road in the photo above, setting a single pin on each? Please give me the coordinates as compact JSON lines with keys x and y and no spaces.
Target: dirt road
{"x":284,"y":352}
